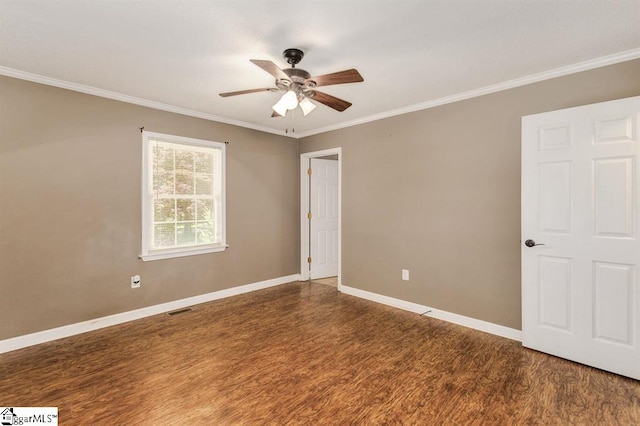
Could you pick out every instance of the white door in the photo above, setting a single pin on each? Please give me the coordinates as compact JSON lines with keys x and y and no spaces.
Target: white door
{"x":324,"y":218}
{"x":580,"y":195}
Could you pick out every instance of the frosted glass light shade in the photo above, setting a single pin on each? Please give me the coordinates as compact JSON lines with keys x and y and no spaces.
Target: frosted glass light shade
{"x":279,"y":108}
{"x":307,"y":106}
{"x":288,"y":101}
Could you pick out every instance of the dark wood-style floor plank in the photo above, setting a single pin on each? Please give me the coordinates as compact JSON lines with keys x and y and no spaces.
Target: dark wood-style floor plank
{"x":302,"y":353}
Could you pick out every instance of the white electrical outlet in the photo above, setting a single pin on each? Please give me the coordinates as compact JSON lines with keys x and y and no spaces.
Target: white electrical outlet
{"x":405,"y":275}
{"x":135,"y":281}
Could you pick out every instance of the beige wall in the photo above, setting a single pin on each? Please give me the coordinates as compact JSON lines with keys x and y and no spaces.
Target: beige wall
{"x":70,"y":209}
{"x":438,"y":192}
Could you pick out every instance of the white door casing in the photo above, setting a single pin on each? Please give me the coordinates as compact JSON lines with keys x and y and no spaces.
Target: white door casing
{"x":323,"y":237}
{"x":580,"y":199}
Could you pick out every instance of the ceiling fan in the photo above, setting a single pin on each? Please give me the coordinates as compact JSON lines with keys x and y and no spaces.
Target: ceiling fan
{"x":299,"y":86}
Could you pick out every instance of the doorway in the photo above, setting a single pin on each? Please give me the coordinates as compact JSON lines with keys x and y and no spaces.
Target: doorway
{"x":320,"y":214}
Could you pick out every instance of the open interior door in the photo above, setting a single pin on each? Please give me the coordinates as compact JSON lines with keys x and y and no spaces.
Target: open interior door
{"x":323,"y":218}
{"x":580,"y":241}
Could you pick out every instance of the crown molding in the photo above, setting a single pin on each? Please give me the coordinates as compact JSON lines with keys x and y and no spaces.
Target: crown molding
{"x":615,"y":58}
{"x":63,"y":84}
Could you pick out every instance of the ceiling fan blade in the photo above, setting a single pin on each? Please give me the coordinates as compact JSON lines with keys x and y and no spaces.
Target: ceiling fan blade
{"x":244,"y":92}
{"x":271,"y":68}
{"x":340,"y":77}
{"x":275,"y":114}
{"x":330,"y":101}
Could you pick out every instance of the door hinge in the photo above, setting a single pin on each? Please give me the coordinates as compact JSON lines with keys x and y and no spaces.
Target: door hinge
{"x":308,"y":259}
{"x":309,"y":171}
{"x":309,"y":215}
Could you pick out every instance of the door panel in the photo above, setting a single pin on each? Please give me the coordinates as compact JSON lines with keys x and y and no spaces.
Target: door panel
{"x":580,"y":288}
{"x":614,"y":197}
{"x":555,"y":197}
{"x":613,"y":297}
{"x":554,"y":292}
{"x":616,"y":129}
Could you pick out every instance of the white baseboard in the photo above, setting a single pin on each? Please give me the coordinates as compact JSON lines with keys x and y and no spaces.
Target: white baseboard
{"x":476,"y":324}
{"x":19,"y":342}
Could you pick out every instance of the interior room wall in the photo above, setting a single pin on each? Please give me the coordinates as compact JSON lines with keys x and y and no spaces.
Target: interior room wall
{"x":70,"y":215}
{"x":437,"y":192}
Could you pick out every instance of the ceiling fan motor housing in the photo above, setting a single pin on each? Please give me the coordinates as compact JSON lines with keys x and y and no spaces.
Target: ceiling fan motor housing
{"x":299,"y":82}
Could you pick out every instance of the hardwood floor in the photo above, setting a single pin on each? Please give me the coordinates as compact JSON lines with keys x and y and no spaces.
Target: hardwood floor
{"x":332,"y":281}
{"x":302,"y":353}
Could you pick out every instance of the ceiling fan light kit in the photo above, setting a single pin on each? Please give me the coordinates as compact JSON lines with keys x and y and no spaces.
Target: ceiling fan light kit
{"x":299,"y":86}
{"x":280,"y":109}
{"x":288,"y":102}
{"x":306,"y":106}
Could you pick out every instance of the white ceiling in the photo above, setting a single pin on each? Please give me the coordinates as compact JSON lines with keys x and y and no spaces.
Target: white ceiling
{"x":411,"y":53}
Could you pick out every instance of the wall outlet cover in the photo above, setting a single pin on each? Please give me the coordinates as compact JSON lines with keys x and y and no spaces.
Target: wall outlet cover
{"x":135,"y":281}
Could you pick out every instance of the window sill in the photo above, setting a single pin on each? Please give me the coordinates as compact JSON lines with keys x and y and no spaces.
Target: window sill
{"x":181,"y":253}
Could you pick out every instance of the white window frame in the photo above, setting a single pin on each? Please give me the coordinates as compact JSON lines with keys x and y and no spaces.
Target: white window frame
{"x":149,"y":253}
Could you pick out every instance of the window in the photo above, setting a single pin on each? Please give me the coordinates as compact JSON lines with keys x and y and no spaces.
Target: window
{"x":183,"y":201}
